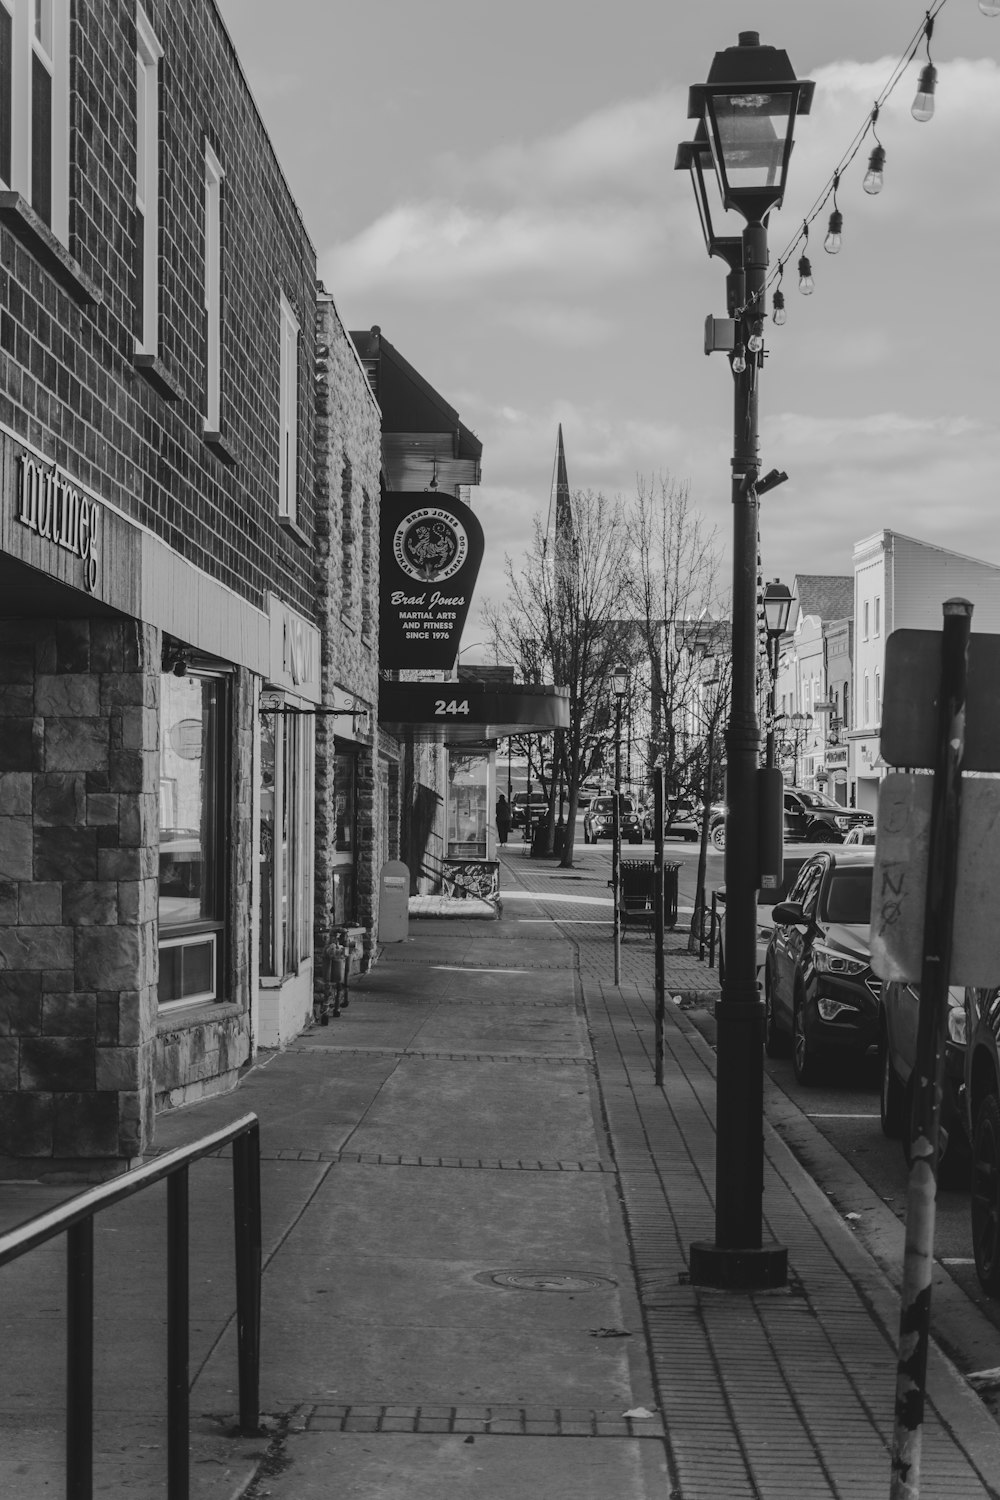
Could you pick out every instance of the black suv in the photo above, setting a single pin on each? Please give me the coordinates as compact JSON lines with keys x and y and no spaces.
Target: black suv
{"x":534,"y":804}
{"x":820,"y":994}
{"x":813,"y":818}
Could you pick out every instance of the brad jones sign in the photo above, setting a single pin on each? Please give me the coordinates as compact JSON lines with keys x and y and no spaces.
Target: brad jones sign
{"x":431,"y":549}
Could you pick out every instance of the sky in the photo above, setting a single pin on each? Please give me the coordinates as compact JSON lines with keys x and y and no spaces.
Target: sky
{"x":493,"y":185}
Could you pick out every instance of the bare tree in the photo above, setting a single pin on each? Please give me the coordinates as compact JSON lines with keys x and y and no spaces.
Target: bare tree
{"x":679,"y":612}
{"x":568,"y":612}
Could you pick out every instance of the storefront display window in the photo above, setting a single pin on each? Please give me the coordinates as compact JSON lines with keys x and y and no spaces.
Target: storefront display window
{"x":345,"y":837}
{"x":468,"y":810}
{"x":192,"y":847}
{"x":286,"y":748}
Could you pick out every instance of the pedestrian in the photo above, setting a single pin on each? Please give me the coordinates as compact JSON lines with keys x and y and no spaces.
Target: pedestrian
{"x":503,"y":819}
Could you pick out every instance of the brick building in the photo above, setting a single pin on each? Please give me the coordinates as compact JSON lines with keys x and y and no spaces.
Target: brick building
{"x":161,"y":523}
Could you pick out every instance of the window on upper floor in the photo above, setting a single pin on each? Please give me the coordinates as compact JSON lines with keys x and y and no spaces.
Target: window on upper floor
{"x":867,"y":702}
{"x":878,"y":616}
{"x":213,"y":290}
{"x":864,"y":616}
{"x":878,"y":697}
{"x":288,"y":413}
{"x":34,"y":107}
{"x":146,"y":295}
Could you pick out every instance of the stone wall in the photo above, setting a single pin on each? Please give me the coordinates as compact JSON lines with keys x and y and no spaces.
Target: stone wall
{"x":348,"y":462}
{"x":78,"y":820}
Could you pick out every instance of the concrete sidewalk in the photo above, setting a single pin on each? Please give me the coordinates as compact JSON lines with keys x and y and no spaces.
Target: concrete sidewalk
{"x":477,"y":1212}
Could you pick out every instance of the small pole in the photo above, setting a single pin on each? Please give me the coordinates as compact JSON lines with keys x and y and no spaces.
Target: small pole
{"x":249,"y":1257}
{"x":80,"y":1360}
{"x":660,"y":1005}
{"x":178,"y":1338}
{"x":939,"y":911}
{"x":616,"y":844}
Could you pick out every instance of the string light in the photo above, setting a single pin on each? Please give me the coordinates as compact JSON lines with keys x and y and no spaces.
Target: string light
{"x":923,"y":104}
{"x":739,"y":360}
{"x":806,"y":284}
{"x":873,"y":180}
{"x":755,"y":342}
{"x":834,"y":239}
{"x":873,"y":177}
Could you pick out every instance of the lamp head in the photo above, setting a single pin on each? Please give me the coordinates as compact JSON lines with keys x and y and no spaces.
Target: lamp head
{"x":619,"y":681}
{"x":748,"y":106}
{"x":777,"y":606}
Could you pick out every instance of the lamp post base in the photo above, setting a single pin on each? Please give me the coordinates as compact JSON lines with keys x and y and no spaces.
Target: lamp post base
{"x":738,"y":1270}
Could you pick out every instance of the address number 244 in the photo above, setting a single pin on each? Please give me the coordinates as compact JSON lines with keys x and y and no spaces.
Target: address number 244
{"x":451,"y":706}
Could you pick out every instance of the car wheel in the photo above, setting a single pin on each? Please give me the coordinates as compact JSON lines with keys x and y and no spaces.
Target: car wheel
{"x":892,"y":1095}
{"x":775,"y":1045}
{"x":986,"y":1194}
{"x":824,"y":833}
{"x":718,"y":836}
{"x":804,"y":1059}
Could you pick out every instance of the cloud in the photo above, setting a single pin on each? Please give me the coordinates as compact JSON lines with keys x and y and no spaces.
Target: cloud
{"x":622,"y":149}
{"x":562,"y":325}
{"x":445,"y":248}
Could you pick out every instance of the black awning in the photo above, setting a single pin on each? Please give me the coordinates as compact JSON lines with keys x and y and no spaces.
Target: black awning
{"x":470,"y":713}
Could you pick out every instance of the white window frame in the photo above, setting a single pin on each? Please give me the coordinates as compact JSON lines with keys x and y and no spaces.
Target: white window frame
{"x":213,"y":290}
{"x":865,"y":617}
{"x":148,"y":53}
{"x":878,"y":615}
{"x":867,"y":702}
{"x":26,"y":46}
{"x":288,"y":412}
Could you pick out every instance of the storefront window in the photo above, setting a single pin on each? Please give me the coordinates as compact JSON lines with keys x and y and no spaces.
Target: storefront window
{"x":468,"y":812}
{"x":285,"y":842}
{"x":192,"y":782}
{"x":345,"y":837}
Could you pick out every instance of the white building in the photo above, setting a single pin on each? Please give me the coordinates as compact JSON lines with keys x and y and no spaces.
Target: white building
{"x":901,"y":583}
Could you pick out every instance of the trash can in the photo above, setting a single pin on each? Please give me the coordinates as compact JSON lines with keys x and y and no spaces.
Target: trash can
{"x":638,"y":877}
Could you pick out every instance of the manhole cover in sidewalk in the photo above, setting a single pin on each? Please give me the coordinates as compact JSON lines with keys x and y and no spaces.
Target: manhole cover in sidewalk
{"x":545,"y":1281}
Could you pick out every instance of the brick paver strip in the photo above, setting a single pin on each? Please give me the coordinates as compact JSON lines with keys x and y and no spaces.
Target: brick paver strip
{"x":764,"y":1394}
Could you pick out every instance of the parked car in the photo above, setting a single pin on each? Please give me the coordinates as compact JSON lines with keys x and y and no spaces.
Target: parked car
{"x":814,"y":818}
{"x":520,"y":804}
{"x":897,"y":1057}
{"x":809,"y":818}
{"x":717,"y":825}
{"x":681,"y":819}
{"x":598,"y":820}
{"x":982,"y":1119}
{"x":861,"y":835}
{"x":820,"y":993}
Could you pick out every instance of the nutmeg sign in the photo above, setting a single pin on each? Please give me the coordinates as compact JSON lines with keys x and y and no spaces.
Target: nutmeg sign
{"x":431,"y":550}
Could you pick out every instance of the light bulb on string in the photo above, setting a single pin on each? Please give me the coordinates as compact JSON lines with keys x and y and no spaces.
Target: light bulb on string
{"x":923,"y":105}
{"x":755,"y":342}
{"x":806,"y":284}
{"x":834,"y":238}
{"x":990,"y":7}
{"x":778,"y":300}
{"x":873,"y":177}
{"x":739,"y":360}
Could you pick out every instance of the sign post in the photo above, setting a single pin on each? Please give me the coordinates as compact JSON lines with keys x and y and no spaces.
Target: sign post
{"x":658,"y":978}
{"x":935,"y":973}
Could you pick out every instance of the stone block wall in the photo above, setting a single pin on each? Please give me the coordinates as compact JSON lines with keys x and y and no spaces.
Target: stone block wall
{"x":348,"y":461}
{"x":78,"y":966}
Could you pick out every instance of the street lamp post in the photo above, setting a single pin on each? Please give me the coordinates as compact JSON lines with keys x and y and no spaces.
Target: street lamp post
{"x":747,"y":109}
{"x":777,"y":608}
{"x":619,"y":686}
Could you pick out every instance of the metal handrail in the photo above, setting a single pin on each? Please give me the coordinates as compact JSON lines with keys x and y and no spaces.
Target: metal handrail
{"x":75,"y":1219}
